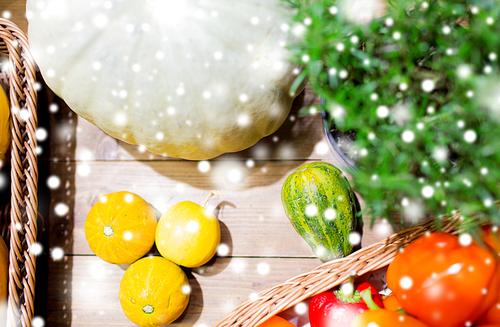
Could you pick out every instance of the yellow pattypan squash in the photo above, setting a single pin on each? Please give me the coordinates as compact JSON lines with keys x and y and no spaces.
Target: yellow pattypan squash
{"x":188,"y":79}
{"x":188,"y":234}
{"x":154,"y":292}
{"x":120,"y":227}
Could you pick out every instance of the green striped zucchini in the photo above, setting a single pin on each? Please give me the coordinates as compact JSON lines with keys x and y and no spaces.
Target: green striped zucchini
{"x":320,"y":204}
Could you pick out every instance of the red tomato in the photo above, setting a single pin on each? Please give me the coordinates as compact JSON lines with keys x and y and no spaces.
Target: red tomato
{"x":491,"y":236}
{"x":444,"y":283}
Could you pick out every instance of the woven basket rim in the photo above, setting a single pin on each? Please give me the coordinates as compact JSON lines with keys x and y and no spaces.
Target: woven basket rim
{"x":22,"y":95}
{"x":326,"y":276}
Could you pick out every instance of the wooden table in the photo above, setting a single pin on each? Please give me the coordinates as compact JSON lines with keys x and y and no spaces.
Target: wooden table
{"x":79,"y":289}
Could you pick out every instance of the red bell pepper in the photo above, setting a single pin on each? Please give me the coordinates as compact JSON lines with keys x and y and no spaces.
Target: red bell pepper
{"x":334,"y":309}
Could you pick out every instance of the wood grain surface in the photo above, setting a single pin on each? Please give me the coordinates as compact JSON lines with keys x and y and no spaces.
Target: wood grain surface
{"x":79,"y":163}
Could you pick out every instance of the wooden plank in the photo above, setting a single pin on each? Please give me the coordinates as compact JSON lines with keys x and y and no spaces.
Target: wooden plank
{"x":70,"y":136}
{"x":15,"y":11}
{"x":253,"y":222}
{"x":83,"y":290}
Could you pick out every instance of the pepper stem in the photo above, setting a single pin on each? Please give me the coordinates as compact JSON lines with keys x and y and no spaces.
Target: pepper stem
{"x":350,"y":295}
{"x":204,"y":203}
{"x":366,"y":295}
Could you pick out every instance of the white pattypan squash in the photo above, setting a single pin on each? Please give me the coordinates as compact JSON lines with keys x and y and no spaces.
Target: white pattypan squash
{"x":186,"y":78}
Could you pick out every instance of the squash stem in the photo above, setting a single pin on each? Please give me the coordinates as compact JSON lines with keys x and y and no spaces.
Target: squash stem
{"x":204,"y":203}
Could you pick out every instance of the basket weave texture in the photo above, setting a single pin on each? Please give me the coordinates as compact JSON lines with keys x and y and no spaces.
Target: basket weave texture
{"x":21,"y":75}
{"x":327,"y":276}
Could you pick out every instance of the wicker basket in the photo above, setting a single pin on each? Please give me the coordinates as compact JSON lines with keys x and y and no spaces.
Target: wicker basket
{"x":22,"y":212}
{"x":326,"y":276}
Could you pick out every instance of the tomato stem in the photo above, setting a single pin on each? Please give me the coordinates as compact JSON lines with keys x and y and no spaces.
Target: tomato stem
{"x":204,"y":203}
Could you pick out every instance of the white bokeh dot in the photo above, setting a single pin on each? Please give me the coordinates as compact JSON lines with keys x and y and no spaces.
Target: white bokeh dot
{"x":53,"y":182}
{"x":301,"y":308}
{"x":235,"y":175}
{"x":186,"y":289}
{"x":57,"y":253}
{"x":83,"y":169}
{"x":37,"y":322}
{"x":129,"y":197}
{"x":427,"y":191}
{"x":311,"y":210}
{"x":354,"y":238}
{"x":464,"y":71}
{"x":382,"y":111}
{"x":61,"y":209}
{"x":41,"y":134}
{"x":470,"y":136}
{"x":204,"y":166}
{"x":346,"y":288}
{"x":408,"y":136}
{"x":127,"y":236}
{"x":223,"y":250}
{"x":218,"y":55}
{"x":428,"y":85}
{"x":36,"y":248}
{"x":263,"y":268}
{"x":53,"y":107}
{"x":406,"y":282}
{"x":330,"y":213}
{"x":465,"y":239}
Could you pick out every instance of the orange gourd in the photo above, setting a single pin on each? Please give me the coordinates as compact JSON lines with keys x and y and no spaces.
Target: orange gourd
{"x":154,"y":292}
{"x":4,"y":279}
{"x":120,"y":227}
{"x":4,"y":127}
{"x":276,"y":321}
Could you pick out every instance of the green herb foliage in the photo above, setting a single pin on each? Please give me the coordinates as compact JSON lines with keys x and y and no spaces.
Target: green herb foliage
{"x":420,"y":87}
